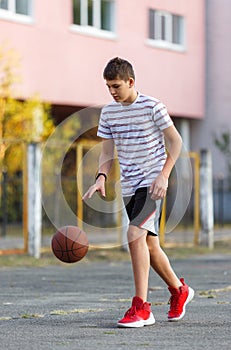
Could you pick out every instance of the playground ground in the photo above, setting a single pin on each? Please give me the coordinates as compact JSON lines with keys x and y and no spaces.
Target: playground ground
{"x":47,"y":305}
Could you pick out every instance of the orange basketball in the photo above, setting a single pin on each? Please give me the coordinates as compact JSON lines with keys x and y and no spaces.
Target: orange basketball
{"x":69,"y":244}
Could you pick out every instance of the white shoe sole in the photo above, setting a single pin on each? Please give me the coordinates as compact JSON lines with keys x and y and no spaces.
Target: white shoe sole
{"x":190,"y":297}
{"x":149,"y":322}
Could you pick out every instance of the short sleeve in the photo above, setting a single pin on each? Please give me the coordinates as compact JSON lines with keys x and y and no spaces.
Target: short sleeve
{"x":104,"y":130}
{"x":161,"y":117}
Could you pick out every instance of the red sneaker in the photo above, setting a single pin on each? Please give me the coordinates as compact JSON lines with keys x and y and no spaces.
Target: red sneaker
{"x":178,"y":301}
{"x":138,"y":315}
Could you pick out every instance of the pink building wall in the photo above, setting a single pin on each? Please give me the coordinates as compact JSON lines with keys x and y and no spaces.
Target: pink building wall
{"x":65,"y":67}
{"x":218,"y":85}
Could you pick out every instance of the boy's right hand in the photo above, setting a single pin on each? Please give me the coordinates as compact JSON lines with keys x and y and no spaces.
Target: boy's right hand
{"x":99,"y":186}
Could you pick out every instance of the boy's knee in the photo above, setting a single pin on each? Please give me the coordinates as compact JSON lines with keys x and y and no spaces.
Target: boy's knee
{"x":153,"y":244}
{"x":134,"y":233}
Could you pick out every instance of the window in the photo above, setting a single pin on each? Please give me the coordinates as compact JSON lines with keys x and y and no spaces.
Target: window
{"x":22,"y":7}
{"x":94,"y":16}
{"x":166,"y":30}
{"x":16,"y":9}
{"x":106,"y":15}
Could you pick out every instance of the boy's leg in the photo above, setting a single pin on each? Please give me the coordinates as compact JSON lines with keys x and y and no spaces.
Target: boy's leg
{"x":140,"y":258}
{"x":181,"y":293}
{"x":160,"y":262}
{"x":140,"y":313}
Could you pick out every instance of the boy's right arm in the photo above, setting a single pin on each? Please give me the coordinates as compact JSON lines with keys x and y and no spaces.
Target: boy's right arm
{"x":105,"y":162}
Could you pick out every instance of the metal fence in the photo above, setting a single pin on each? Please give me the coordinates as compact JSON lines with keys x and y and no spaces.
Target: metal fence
{"x":222,"y":200}
{"x":75,"y":180}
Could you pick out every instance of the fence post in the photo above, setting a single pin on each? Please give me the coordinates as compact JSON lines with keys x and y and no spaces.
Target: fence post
{"x":206,"y":200}
{"x":34,"y":199}
{"x":4,"y":201}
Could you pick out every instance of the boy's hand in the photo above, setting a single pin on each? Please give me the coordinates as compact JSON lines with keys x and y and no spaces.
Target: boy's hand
{"x":159,"y":187}
{"x":99,"y":186}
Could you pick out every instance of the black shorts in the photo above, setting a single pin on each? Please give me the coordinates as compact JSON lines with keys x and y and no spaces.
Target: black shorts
{"x":143,"y":211}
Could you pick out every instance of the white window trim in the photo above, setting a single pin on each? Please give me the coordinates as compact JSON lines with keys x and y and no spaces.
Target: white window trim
{"x":165,"y":44}
{"x":168,"y":18}
{"x":11,"y":15}
{"x":161,"y":44}
{"x":94,"y":30}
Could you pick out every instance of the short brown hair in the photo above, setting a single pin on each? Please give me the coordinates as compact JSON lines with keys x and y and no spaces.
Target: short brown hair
{"x":118,"y":68}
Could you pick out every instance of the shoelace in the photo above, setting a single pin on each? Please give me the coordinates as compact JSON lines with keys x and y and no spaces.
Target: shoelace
{"x":131,"y":311}
{"x":174,"y":303}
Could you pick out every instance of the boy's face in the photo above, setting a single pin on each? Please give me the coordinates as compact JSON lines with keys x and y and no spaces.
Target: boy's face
{"x":122,"y":91}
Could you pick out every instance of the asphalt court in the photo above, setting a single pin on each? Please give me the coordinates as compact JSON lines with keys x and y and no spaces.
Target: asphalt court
{"x":77,"y":307}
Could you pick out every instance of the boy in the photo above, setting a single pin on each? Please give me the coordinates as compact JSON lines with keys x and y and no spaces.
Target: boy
{"x":138,"y":126}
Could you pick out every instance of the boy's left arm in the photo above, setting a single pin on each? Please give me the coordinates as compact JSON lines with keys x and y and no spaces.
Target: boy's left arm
{"x":173,"y":142}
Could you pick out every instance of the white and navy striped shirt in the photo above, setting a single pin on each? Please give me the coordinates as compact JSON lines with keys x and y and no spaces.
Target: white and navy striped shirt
{"x":137,"y":130}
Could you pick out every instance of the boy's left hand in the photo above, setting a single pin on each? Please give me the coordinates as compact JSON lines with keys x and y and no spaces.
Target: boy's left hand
{"x":159,"y":187}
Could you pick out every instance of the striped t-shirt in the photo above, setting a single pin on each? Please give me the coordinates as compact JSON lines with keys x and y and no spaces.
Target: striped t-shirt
{"x":137,"y":132}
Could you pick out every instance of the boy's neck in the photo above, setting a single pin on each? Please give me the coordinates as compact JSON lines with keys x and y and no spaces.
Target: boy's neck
{"x":131,"y":98}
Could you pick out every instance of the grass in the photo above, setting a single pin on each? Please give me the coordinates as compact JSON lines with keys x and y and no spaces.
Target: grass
{"x":110,"y":255}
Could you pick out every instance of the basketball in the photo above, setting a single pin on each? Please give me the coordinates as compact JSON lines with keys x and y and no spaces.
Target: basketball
{"x":69,"y":244}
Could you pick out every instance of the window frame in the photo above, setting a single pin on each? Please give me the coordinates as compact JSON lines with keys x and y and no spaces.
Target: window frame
{"x":167,"y":42}
{"x":96,"y":28}
{"x":12,"y":15}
